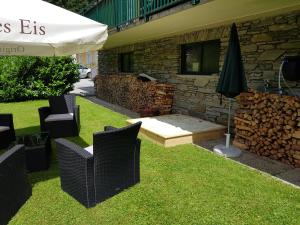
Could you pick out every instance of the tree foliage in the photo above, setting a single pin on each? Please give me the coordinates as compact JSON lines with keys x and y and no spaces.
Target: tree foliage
{"x":25,"y":78}
{"x":73,"y":5}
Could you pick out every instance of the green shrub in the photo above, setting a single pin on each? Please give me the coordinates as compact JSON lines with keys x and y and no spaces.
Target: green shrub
{"x":27,"y":78}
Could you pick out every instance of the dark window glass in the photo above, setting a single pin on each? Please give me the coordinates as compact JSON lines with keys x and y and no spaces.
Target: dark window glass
{"x":193,"y":58}
{"x":200,"y":58}
{"x":126,"y":62}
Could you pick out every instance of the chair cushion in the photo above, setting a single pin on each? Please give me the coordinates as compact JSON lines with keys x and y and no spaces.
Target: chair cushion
{"x":4,"y":128}
{"x":59,"y":117}
{"x":89,"y":149}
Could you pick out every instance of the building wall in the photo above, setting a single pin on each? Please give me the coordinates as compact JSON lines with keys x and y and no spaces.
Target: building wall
{"x":89,"y":59}
{"x":263,"y":43}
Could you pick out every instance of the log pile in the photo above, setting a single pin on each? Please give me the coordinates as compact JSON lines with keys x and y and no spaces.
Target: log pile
{"x":269,"y":125}
{"x":163,"y":98}
{"x":147,"y":98}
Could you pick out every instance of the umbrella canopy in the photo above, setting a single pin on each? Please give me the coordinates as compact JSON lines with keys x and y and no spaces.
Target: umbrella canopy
{"x":38,"y":28}
{"x":232,"y":79}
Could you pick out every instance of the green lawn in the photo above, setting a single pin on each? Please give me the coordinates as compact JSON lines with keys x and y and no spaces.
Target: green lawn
{"x":180,"y":185}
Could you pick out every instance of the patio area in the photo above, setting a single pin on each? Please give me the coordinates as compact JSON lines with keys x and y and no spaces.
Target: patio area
{"x":84,"y":87}
{"x":175,"y":129}
{"x":179,"y":185}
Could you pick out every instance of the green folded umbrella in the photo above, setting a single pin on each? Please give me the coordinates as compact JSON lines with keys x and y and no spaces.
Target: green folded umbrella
{"x":231,"y":83}
{"x":232,"y":78}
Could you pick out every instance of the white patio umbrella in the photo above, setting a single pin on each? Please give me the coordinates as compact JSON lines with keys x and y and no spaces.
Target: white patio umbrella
{"x":38,"y":28}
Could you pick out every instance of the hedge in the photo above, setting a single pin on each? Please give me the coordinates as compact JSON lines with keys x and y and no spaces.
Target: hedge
{"x":28,"y":78}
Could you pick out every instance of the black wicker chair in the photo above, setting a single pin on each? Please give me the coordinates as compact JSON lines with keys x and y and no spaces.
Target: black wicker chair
{"x":7,"y":131}
{"x":102,"y":172}
{"x":14,"y":186}
{"x":61,"y":118}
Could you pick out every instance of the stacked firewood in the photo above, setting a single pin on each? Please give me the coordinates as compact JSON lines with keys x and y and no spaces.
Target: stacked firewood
{"x":147,"y":98}
{"x":163,"y":98}
{"x":269,"y":125}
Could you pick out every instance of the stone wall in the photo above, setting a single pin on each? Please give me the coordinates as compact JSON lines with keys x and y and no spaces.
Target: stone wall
{"x":147,"y":98}
{"x":264,"y":42}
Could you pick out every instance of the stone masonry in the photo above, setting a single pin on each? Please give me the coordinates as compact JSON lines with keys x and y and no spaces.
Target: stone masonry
{"x":264,"y":42}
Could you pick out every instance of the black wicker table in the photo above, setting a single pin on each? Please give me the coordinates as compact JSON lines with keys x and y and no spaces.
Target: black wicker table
{"x":37,"y":149}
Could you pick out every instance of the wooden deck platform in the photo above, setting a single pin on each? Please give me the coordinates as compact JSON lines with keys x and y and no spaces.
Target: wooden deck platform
{"x":176,"y":129}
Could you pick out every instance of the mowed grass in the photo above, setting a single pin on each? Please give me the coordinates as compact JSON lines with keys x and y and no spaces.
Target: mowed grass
{"x":180,"y":185}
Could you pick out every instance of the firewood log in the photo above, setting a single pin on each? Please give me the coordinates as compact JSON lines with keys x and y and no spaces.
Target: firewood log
{"x":269,"y":125}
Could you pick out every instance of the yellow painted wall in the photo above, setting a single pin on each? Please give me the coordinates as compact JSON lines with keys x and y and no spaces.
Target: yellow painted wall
{"x":89,"y":59}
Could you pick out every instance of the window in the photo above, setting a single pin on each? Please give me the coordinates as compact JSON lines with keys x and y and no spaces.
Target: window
{"x":79,"y":58}
{"x":88,"y":54}
{"x":126,"y":62}
{"x":200,"y":58}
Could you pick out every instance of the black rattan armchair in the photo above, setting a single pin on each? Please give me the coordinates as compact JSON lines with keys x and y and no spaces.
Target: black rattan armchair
{"x":102,"y":172}
{"x":61,"y":118}
{"x":14,"y":186}
{"x":7,"y":131}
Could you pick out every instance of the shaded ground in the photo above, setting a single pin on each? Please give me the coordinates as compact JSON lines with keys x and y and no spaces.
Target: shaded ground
{"x":115,"y":108}
{"x":85,"y":87}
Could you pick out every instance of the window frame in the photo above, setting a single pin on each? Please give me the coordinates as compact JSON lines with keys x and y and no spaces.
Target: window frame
{"x":121,"y":64}
{"x":201,"y":44}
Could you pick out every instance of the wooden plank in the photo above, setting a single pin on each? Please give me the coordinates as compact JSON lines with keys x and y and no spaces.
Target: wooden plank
{"x":243,"y":136}
{"x":243,"y":120}
{"x":177,"y":137}
{"x":244,"y":128}
{"x":296,"y":147}
{"x":153,"y":137}
{"x":187,"y":139}
{"x":208,"y":135}
{"x":195,"y":138}
{"x":296,"y":157}
{"x":171,"y":142}
{"x":240,"y":145}
{"x":296,"y":134}
{"x":176,"y":125}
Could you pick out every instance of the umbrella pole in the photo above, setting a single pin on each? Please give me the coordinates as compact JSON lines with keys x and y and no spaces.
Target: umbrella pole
{"x":228,"y":125}
{"x":229,"y":113}
{"x":227,"y":150}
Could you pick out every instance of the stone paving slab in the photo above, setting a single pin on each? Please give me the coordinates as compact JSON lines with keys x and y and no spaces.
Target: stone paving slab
{"x":284,"y":172}
{"x":85,"y":87}
{"x":113,"y":107}
{"x":264,"y":164}
{"x":292,"y":176}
